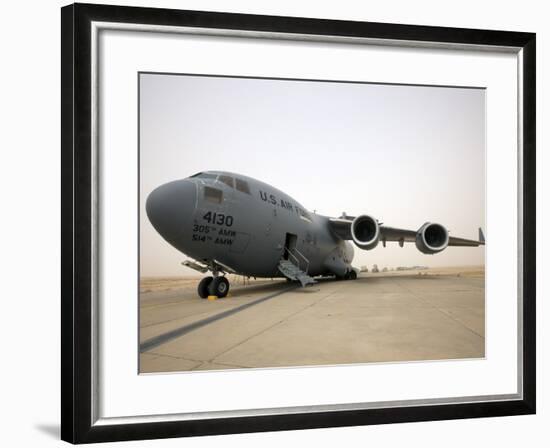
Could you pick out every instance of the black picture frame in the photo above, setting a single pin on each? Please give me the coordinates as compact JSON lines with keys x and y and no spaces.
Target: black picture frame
{"x":76,"y":217}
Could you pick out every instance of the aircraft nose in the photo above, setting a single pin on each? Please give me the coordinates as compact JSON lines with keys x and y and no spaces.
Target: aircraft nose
{"x":170,"y":208}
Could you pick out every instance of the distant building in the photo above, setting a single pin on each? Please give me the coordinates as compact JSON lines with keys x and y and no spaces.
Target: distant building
{"x":375,"y":268}
{"x":411,"y":268}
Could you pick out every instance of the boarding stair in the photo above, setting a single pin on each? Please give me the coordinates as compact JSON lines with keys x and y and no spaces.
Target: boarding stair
{"x":291,"y":270}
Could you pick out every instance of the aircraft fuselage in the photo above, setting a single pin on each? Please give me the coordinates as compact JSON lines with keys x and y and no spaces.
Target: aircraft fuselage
{"x":245,"y":225}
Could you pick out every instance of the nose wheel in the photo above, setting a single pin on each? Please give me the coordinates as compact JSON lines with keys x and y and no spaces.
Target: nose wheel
{"x":213,"y":286}
{"x":203,"y":288}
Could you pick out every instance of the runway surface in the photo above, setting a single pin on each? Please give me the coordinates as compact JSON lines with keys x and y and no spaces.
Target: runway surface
{"x":394,"y":316}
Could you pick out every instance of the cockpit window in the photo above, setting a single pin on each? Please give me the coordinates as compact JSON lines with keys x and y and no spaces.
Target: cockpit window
{"x":242,"y":186}
{"x":227,"y":180}
{"x":213,"y":195}
{"x":205,"y":175}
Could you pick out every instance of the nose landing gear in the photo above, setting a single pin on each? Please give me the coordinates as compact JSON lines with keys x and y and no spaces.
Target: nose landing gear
{"x":213,"y":286}
{"x":219,"y":287}
{"x":204,"y":286}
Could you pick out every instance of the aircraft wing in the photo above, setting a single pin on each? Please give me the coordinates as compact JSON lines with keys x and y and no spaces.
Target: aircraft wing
{"x":409,"y":236}
{"x":366,"y":232}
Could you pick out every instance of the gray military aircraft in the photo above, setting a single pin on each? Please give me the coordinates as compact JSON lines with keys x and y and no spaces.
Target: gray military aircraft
{"x":230,"y":223}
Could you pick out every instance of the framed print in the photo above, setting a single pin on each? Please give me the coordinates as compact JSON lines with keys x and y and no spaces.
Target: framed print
{"x":275,"y":223}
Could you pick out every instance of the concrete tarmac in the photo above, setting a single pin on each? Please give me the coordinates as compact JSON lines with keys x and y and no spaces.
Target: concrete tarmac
{"x":385,"y":317}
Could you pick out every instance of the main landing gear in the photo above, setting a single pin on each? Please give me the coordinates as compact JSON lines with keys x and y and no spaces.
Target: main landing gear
{"x":213,"y":286}
{"x":350,"y":275}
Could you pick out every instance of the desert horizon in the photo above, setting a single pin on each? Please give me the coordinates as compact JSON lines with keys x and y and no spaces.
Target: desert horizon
{"x":171,"y":282}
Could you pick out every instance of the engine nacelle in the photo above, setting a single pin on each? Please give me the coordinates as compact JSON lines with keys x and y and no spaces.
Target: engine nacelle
{"x":365,"y":232}
{"x":432,"y":238}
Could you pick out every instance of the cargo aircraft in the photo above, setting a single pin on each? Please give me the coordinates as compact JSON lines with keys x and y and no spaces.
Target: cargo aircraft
{"x":230,"y":223}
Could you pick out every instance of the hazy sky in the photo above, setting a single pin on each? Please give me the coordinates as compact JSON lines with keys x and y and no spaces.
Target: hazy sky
{"x":404,"y":154}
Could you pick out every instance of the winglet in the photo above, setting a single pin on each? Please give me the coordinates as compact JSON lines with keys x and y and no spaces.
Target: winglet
{"x":481,"y":236}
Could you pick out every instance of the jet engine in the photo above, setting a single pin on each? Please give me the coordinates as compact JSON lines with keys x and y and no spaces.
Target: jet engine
{"x":432,"y":238}
{"x":365,"y":232}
